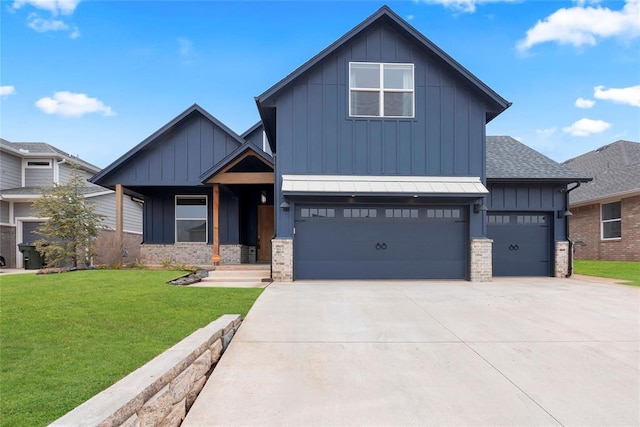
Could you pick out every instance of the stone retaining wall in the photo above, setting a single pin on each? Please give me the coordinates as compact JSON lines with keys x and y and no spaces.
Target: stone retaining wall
{"x":182,"y":253}
{"x":161,"y":392}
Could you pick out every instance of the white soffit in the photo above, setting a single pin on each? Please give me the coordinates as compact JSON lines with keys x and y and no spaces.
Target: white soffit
{"x":386,"y":184}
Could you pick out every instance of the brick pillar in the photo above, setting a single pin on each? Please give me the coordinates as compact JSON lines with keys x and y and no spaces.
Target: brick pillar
{"x":562,"y":255}
{"x":282,"y":260}
{"x":481,"y":259}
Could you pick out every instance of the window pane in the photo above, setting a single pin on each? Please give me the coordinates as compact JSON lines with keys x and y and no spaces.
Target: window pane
{"x":398,"y":76}
{"x":191,"y":208}
{"x":191,"y":230}
{"x":365,"y":76}
{"x":611,"y":230}
{"x":365,"y":103}
{"x":398,"y":104}
{"x":611,"y":211}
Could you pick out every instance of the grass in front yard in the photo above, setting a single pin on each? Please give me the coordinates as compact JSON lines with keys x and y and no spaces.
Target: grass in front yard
{"x":66,"y":337}
{"x":613,"y":269}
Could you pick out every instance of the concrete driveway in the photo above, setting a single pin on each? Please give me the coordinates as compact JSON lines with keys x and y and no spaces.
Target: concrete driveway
{"x":535,"y":351}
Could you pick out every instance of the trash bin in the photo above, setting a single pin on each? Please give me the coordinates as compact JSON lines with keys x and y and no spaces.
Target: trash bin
{"x":32,"y":258}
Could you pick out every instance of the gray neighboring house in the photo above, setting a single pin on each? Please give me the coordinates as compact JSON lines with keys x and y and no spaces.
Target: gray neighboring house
{"x":26,"y":168}
{"x":605,"y":224}
{"x":371,"y":161}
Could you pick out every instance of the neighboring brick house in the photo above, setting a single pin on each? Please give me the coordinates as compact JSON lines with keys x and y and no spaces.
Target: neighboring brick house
{"x":26,"y":168}
{"x":605,"y":224}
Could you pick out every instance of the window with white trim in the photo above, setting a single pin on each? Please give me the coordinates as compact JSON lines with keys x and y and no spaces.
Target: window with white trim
{"x":611,"y":223}
{"x":191,"y":219}
{"x":38,"y":164}
{"x":381,"y":90}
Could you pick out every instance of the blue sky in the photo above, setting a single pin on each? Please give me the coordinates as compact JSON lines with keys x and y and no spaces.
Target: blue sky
{"x":94,"y":78}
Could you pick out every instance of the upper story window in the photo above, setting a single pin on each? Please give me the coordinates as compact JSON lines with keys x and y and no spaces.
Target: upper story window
{"x":191,"y":219}
{"x":381,"y":90}
{"x":38,"y":163}
{"x":611,"y":220}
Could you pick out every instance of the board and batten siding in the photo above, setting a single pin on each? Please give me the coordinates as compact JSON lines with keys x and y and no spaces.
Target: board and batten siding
{"x":159,"y":214}
{"x":177,"y":157}
{"x":10,"y":171}
{"x":316,"y":135}
{"x":530,"y":198}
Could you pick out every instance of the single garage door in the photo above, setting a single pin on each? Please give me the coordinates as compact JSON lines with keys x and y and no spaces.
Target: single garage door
{"x":380,"y":242}
{"x":521,"y":243}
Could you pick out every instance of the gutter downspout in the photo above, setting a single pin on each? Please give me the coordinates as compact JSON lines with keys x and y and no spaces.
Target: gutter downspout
{"x":570,"y":272}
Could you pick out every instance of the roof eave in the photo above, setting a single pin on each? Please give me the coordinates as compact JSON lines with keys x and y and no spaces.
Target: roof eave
{"x":567,"y":180}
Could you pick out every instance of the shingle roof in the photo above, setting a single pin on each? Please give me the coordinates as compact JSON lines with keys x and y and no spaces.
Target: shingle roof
{"x":510,"y":159}
{"x":35,"y":149}
{"x":615,"y":169}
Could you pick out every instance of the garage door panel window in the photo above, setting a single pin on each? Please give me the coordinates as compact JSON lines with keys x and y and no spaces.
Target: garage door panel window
{"x":359,"y":213}
{"x":191,"y":219}
{"x":401,"y":213}
{"x":498,"y":219}
{"x":443,"y":213}
{"x":317,"y":213}
{"x":611,"y":221}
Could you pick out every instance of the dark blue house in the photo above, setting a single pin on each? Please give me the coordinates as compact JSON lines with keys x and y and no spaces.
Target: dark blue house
{"x":370,"y":162}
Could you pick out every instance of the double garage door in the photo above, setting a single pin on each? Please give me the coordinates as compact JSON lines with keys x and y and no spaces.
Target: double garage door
{"x":380,"y":242}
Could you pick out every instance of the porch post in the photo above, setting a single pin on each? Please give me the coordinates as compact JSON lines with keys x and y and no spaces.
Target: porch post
{"x":216,"y":223}
{"x":119,"y":215}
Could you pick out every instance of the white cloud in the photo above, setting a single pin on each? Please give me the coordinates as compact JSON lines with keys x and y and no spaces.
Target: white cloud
{"x":627,"y":95}
{"x":42,"y":25}
{"x":579,"y":25}
{"x":584,"y":103}
{"x":410,"y":17}
{"x":75,"y":33}
{"x":6,"y":91}
{"x":586,"y":127}
{"x":464,"y":6}
{"x":56,"y":7}
{"x":546,"y":132}
{"x":68,"y":104}
{"x":185,"y":46}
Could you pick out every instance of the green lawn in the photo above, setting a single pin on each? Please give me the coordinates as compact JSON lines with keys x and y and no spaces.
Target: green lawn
{"x":613,"y":269}
{"x":66,"y":337}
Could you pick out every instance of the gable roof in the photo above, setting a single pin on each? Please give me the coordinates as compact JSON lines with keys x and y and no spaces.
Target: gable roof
{"x":386,"y":14}
{"x":247,"y":146}
{"x":41,"y":149}
{"x":252,"y":129}
{"x":510,"y":160}
{"x":615,"y":169}
{"x":194,"y":109}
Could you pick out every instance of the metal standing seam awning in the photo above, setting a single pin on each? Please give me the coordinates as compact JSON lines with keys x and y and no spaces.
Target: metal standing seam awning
{"x":382,"y":185}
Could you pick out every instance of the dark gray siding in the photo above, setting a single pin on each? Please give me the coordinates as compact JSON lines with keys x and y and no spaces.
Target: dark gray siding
{"x":531,"y":198}
{"x":159,"y":214}
{"x":178,"y":157}
{"x":10,"y":171}
{"x":316,"y":135}
{"x":257,"y":138}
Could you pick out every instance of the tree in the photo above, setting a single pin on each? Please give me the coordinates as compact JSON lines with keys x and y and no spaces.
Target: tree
{"x":72,"y":223}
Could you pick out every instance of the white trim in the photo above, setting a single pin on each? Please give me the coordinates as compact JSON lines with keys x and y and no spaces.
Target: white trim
{"x":381,"y":90}
{"x":603,"y":221}
{"x":6,"y":224}
{"x":12,"y":213}
{"x":100,"y":193}
{"x":23,"y":182}
{"x":176,"y":219}
{"x":28,"y":160}
{"x":56,"y":172}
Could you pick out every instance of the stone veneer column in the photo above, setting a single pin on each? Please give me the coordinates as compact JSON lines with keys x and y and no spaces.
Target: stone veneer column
{"x":282,"y":260}
{"x":481,"y":259}
{"x":562,"y":255}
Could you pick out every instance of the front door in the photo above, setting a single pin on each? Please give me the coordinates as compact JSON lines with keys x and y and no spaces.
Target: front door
{"x":265,"y":232}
